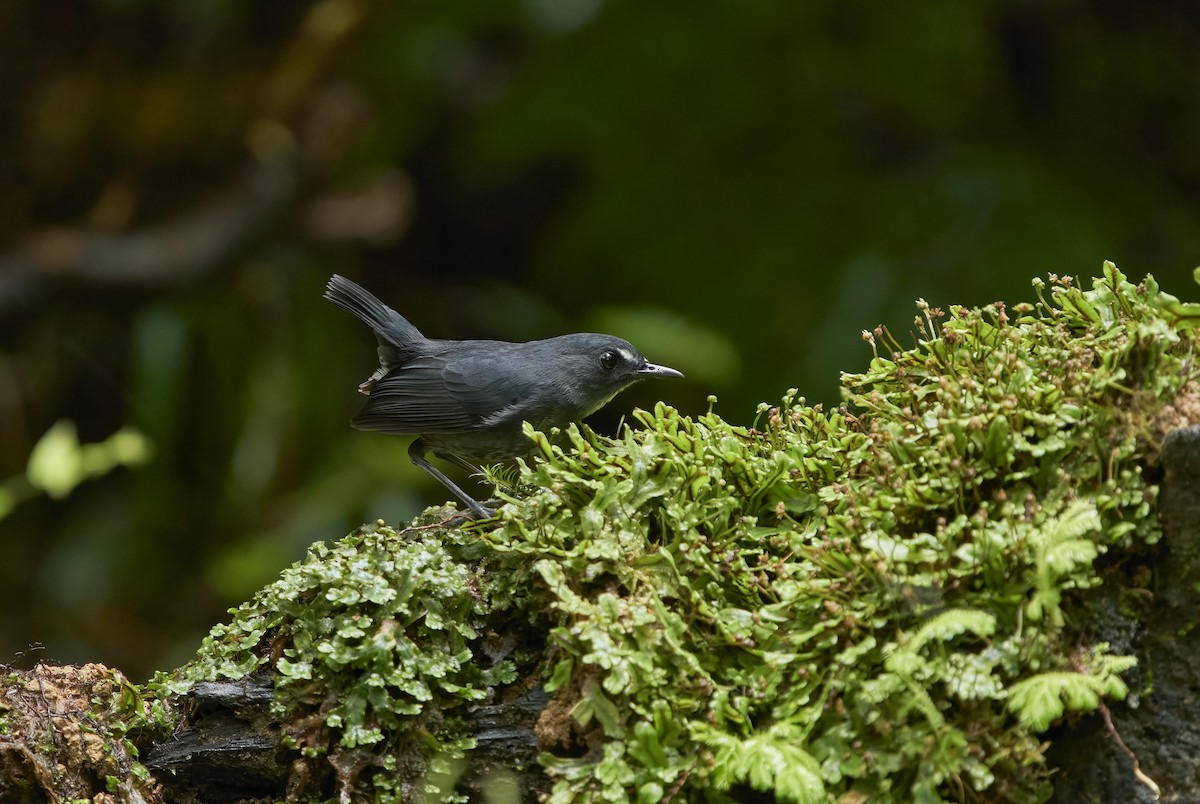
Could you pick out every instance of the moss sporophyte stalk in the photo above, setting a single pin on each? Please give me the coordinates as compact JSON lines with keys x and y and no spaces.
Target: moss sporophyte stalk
{"x":886,"y":600}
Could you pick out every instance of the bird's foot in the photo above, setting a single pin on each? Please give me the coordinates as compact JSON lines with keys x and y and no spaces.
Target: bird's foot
{"x":484,"y":510}
{"x":475,"y":513}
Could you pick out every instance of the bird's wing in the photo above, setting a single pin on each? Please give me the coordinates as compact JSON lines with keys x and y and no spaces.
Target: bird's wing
{"x":492,"y":392}
{"x":413,"y":400}
{"x":440,"y":394}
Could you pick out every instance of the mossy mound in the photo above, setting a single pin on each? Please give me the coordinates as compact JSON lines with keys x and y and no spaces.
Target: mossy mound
{"x":886,"y":600}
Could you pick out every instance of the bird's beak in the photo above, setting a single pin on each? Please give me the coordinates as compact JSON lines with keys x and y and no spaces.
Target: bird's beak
{"x":651,"y":370}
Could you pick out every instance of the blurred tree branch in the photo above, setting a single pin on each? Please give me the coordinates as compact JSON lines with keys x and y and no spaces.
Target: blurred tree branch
{"x":206,"y":236}
{"x":181,"y":250}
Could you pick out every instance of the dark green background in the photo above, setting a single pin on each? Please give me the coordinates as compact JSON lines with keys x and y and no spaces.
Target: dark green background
{"x":739,"y":188}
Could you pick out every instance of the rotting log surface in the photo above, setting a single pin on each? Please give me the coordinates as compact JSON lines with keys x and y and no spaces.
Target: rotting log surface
{"x":1159,"y":723}
{"x":230,"y":750}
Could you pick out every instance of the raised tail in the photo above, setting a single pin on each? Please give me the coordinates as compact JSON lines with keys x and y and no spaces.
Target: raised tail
{"x":399,"y":341}
{"x":390,"y":327}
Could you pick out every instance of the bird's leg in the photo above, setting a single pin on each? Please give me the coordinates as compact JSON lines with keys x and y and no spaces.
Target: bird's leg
{"x":472,"y":469}
{"x":417,"y":451}
{"x":466,"y":466}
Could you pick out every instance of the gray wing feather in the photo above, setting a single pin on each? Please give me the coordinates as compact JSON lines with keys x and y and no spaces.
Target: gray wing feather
{"x":432,"y":395}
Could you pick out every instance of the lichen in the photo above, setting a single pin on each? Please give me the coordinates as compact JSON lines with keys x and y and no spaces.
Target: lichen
{"x":885,"y":600}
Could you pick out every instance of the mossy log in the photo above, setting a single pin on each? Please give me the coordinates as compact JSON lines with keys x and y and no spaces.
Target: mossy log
{"x":973,"y":581}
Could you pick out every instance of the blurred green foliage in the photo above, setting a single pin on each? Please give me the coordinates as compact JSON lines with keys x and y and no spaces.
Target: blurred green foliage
{"x":741,"y":189}
{"x":59,"y":463}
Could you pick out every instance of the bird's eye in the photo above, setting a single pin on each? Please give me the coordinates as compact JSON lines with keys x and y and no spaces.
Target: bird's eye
{"x":608,"y":360}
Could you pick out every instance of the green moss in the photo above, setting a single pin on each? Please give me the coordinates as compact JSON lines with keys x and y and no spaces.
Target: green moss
{"x":876,"y":599}
{"x":374,"y":632}
{"x":879,"y":600}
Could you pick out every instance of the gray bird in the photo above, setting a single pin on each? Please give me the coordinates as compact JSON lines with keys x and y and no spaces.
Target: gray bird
{"x":466,"y":400}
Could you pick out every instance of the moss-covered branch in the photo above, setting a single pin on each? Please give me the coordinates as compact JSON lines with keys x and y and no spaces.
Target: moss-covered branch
{"x":892,"y":600}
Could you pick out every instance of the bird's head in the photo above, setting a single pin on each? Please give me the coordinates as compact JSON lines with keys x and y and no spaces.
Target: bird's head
{"x":601,"y":366}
